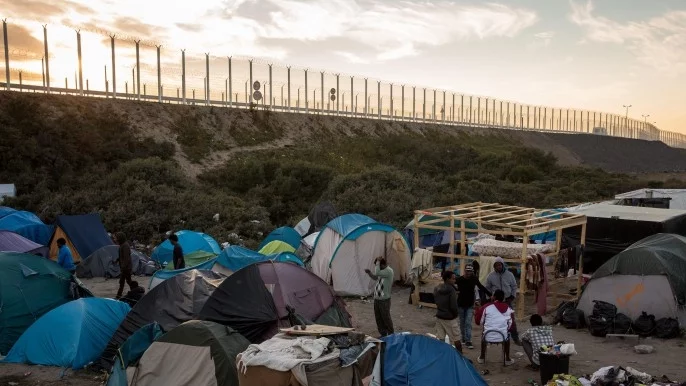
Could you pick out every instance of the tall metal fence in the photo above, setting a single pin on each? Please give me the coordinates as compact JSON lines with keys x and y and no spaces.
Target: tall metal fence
{"x":95,"y":63}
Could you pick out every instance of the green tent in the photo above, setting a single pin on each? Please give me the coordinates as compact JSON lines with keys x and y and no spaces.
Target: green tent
{"x":276,"y":246}
{"x":192,"y":259}
{"x":30,"y":286}
{"x":196,"y":352}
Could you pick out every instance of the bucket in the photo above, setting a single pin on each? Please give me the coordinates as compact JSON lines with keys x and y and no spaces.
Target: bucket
{"x":551,"y":365}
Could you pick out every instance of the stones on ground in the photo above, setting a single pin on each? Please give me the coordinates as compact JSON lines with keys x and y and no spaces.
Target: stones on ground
{"x":644,"y":349}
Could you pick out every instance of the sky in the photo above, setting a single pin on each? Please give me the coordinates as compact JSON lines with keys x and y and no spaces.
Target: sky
{"x":596,"y":55}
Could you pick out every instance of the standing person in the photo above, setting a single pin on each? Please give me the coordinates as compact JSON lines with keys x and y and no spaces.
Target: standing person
{"x":445,"y":297}
{"x":535,"y":337}
{"x":64,"y":257}
{"x":179,"y":262}
{"x":383,"y":274}
{"x":466,"y":299}
{"x":504,"y":280}
{"x":125,"y":264}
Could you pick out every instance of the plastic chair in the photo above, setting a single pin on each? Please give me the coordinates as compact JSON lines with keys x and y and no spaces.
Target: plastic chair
{"x":505,"y":339}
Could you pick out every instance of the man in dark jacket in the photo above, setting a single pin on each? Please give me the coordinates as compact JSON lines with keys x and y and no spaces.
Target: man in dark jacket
{"x":179,"y":262}
{"x":466,"y":298}
{"x":125,"y":265}
{"x":445,"y":297}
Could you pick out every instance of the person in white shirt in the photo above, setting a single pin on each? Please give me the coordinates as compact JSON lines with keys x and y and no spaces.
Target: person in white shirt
{"x":496,"y":316}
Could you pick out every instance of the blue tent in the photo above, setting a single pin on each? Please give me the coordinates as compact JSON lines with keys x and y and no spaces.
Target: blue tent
{"x":84,"y":234}
{"x":190,"y":242}
{"x":420,"y":360}
{"x":162,"y":275}
{"x":131,"y":351}
{"x":72,"y":335}
{"x":27,"y":225}
{"x":235,"y":257}
{"x":286,"y":234}
{"x":5,"y":210}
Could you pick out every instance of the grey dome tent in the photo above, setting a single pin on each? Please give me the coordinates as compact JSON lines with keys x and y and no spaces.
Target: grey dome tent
{"x":176,"y":300}
{"x":196,"y":352}
{"x":101,"y":263}
{"x":649,"y":276}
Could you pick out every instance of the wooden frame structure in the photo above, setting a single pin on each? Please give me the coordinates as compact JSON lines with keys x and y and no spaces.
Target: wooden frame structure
{"x":497,"y":219}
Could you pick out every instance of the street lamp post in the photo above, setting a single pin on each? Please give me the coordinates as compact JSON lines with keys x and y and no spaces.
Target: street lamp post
{"x":626,"y":118}
{"x":645,"y":121}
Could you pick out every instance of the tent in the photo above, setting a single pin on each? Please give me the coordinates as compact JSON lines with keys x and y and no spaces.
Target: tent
{"x":131,"y":351}
{"x":5,"y":210}
{"x":287,"y":235}
{"x":171,"y":303}
{"x":190,"y":242}
{"x":349,"y":244}
{"x":30,"y":286}
{"x":319,"y":216}
{"x":193,"y":259}
{"x":254,"y":300}
{"x":236,"y":257}
{"x":101,"y":263}
{"x":277,"y":246}
{"x":164,"y":274}
{"x":14,"y":242}
{"x":84,"y":234}
{"x":667,"y":198}
{"x":28,"y":225}
{"x":194,"y":353}
{"x":648,"y":276}
{"x":72,"y":335}
{"x":420,"y":360}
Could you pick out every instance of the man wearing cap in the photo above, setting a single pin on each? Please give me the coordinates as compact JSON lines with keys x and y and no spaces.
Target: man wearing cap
{"x":466,"y":298}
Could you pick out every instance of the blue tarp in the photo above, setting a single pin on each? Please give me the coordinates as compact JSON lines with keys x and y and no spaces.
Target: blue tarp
{"x":28,"y":225}
{"x":72,"y":335}
{"x":85,"y":232}
{"x":352,"y":226}
{"x":420,"y":360}
{"x":190,"y":242}
{"x":235,"y":257}
{"x":14,"y":242}
{"x":131,"y":351}
{"x":286,"y":234}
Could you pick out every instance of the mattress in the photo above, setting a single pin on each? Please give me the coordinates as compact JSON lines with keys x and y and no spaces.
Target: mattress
{"x":506,"y":249}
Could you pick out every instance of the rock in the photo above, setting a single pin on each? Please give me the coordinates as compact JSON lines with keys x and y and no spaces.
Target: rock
{"x":644,"y":349}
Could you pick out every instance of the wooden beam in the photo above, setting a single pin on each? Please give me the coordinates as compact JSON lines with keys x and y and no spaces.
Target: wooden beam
{"x":581,"y":261}
{"x":522,"y":280}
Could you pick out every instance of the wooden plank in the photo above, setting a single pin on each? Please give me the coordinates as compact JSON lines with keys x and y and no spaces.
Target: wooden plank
{"x":522,"y":280}
{"x":580,"y":274}
{"x":317,"y":330}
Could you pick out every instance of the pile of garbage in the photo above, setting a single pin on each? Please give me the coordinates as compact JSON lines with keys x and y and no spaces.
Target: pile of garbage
{"x":558,"y":349}
{"x":613,"y":376}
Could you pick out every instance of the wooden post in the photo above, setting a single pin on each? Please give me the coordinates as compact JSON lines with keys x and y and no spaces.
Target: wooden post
{"x":522,"y":277}
{"x":581,"y":262}
{"x":558,"y":245}
{"x":452,"y":243}
{"x":463,"y":245}
{"x":415,"y":294}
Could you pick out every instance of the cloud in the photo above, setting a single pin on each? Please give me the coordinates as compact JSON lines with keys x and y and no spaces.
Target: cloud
{"x":659,"y":42}
{"x":544,"y":38}
{"x":20,"y":38}
{"x":42,"y":10}
{"x":394,"y":29}
{"x":351,"y":57}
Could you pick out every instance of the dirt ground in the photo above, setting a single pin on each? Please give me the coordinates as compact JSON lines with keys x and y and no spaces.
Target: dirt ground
{"x":593,"y":353}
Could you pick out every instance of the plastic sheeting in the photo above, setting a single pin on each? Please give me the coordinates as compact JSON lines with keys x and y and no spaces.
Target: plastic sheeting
{"x":14,"y":242}
{"x":171,"y":303}
{"x":421,"y":360}
{"x":28,"y":225}
{"x":190,"y":242}
{"x":101,"y":263}
{"x":72,"y":335}
{"x":235,"y":257}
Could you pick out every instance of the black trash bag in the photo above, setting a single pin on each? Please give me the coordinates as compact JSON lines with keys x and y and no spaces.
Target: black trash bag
{"x":564,"y":306}
{"x":604,"y":309}
{"x":667,"y":328}
{"x":599,"y":326}
{"x":621,"y":324}
{"x":644,"y":325}
{"x":573,"y":318}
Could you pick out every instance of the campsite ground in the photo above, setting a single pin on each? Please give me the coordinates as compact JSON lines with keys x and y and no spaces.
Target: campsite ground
{"x":594,"y":353}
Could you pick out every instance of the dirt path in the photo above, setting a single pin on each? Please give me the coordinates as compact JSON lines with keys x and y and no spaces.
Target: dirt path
{"x":594,"y":353}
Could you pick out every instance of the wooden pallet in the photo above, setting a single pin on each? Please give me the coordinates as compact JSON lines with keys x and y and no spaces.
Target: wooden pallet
{"x":316,"y":330}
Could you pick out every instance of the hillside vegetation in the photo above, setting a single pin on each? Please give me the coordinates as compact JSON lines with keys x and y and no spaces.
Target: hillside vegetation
{"x":150,"y":168}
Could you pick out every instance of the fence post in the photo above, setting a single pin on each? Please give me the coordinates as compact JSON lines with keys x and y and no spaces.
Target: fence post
{"x":229,"y":95}
{"x":183,"y":76}
{"x":250,"y":86}
{"x":433,"y":108}
{"x":80,"y":63}
{"x":338,"y":94}
{"x":271,"y":96}
{"x":424,"y":107}
{"x":159,"y":76}
{"x":366,"y":100}
{"x":306,"y":101}
{"x":114,"y":69}
{"x":321,"y":92}
{"x":138,"y":70}
{"x":443,"y":108}
{"x":402,"y":102}
{"x":288,"y":72}
{"x":7,"y":54}
{"x":47,"y":61}
{"x":207,"y":77}
{"x":391,"y":112}
{"x":378,"y":97}
{"x":414,"y":103}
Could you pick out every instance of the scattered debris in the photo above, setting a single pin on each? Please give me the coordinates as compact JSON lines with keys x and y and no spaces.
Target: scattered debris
{"x":644,"y":349}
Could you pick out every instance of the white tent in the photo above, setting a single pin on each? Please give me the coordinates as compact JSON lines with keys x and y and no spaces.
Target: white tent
{"x":349,"y":244}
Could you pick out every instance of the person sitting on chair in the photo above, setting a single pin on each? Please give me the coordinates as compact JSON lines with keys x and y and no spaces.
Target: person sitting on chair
{"x":498,"y":320}
{"x":535,"y":337}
